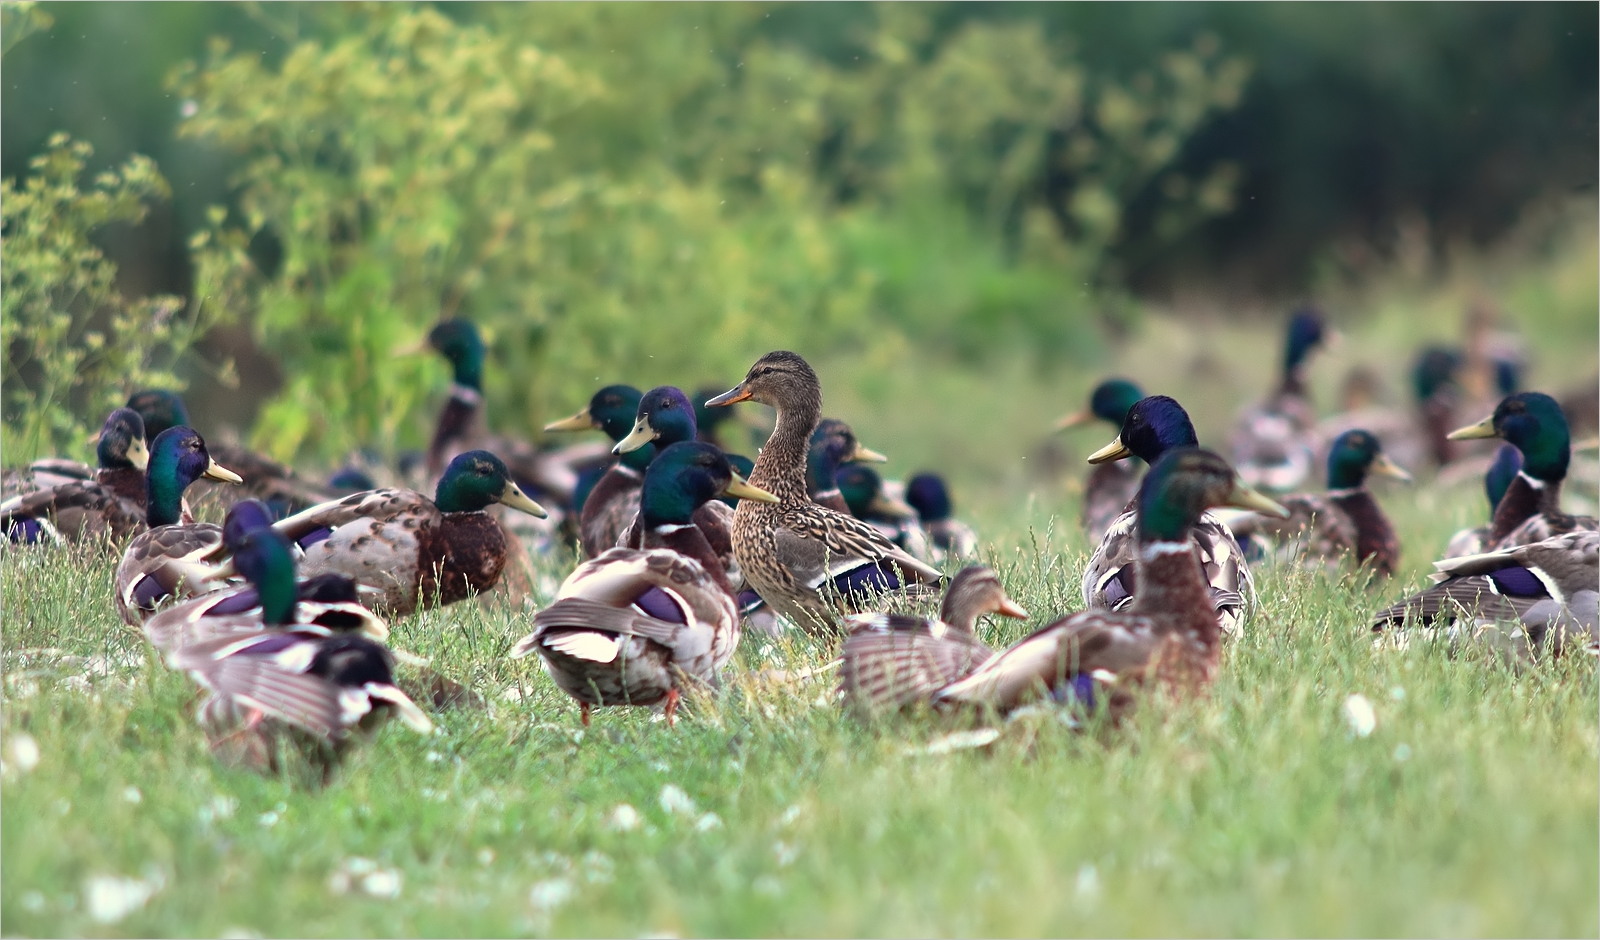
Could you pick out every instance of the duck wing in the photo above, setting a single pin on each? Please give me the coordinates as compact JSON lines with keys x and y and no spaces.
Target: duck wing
{"x":164,"y":562}
{"x":820,"y":546}
{"x":377,"y":505}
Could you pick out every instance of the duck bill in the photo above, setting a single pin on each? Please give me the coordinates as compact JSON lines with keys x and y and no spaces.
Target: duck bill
{"x":742,"y":490}
{"x":1243,"y":497}
{"x":582,"y":421}
{"x":1472,"y":432}
{"x":139,"y":455}
{"x":884,"y":505}
{"x":1010,"y":608}
{"x":641,"y":435}
{"x":216,"y":471}
{"x":513,"y":496}
{"x":416,"y":348}
{"x":1075,"y":419}
{"x":863,"y":455}
{"x":404,"y":707}
{"x":738,"y":393}
{"x":1116,"y":450}
{"x":1383,"y":466}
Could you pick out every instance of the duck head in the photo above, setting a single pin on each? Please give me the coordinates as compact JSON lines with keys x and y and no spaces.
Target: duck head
{"x":1535,"y":423}
{"x":1153,"y":426}
{"x":1110,"y":401}
{"x":178,"y":458}
{"x":263,"y":556}
{"x":478,"y":479}
{"x":862,"y":490}
{"x":928,"y":495}
{"x":160,"y":409}
{"x":1356,"y":453}
{"x":1434,"y":370}
{"x":686,"y":476}
{"x":121,"y":444}
{"x":665,"y":417}
{"x":460,"y":342}
{"x":833,"y":444}
{"x":1182,"y":484}
{"x":612,"y":410}
{"x":973,"y":592}
{"x":1307,"y":330}
{"x":781,"y":379}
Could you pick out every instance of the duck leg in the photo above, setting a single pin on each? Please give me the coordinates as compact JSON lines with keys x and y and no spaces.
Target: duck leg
{"x":584,"y":706}
{"x":671,"y":707}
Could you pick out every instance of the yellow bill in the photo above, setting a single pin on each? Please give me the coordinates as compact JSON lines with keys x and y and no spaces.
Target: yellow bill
{"x":582,"y":421}
{"x":139,"y":455}
{"x":1116,"y":450}
{"x":641,"y":435}
{"x":216,"y":471}
{"x":739,"y":489}
{"x":863,"y":455}
{"x":513,"y":496}
{"x":1383,"y":466}
{"x":1472,"y":432}
{"x":1244,"y":497}
{"x":1075,"y":419}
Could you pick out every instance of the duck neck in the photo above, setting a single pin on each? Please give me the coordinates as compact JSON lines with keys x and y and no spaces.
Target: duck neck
{"x":1173,"y":588}
{"x":1374,"y":534}
{"x":163,"y":503}
{"x":686,"y":539}
{"x":781,"y":465}
{"x":1526,"y":497}
{"x":462,"y":415}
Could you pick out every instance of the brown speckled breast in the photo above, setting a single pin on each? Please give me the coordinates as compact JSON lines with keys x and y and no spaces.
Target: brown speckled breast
{"x":464,"y":553}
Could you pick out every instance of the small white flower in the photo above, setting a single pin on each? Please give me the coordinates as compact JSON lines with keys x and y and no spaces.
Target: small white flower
{"x":32,"y":901}
{"x":110,"y":898}
{"x":546,"y":896}
{"x":268,"y":819}
{"x":1402,"y":753}
{"x":675,"y":801}
{"x":1398,"y":693}
{"x":356,"y":865}
{"x":21,"y":752}
{"x":189,"y":108}
{"x":790,"y":815}
{"x":1088,"y":880}
{"x":958,"y":741}
{"x":486,"y":857}
{"x":433,"y":757}
{"x":1358,"y":714}
{"x":624,"y":818}
{"x":785,"y":853}
{"x":383,"y":883}
{"x":598,"y":868}
{"x":661,"y":766}
{"x":132,"y":795}
{"x":708,"y":822}
{"x":220,"y":807}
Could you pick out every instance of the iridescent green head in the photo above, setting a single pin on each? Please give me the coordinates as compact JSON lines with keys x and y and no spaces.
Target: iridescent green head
{"x":121,"y":444}
{"x":1435,"y":369}
{"x":460,"y":342}
{"x":1353,"y":455}
{"x":1535,"y":423}
{"x":1183,"y":483}
{"x":685,"y":477}
{"x":178,"y":457}
{"x":264,"y":557}
{"x":665,"y":417}
{"x":159,"y":409}
{"x":862,"y":490}
{"x":476,"y":480}
{"x":1113,"y":398}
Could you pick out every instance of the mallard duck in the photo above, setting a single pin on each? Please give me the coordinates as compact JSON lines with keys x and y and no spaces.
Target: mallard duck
{"x":1273,"y":443}
{"x":415,"y":551}
{"x":831,"y":446}
{"x":949,"y":536}
{"x":168,"y":560}
{"x":1154,"y":426}
{"x":1111,"y":486}
{"x":1361,"y":397}
{"x":866,"y":498}
{"x":1346,"y":520}
{"x":68,"y":500}
{"x":809,"y":562}
{"x":1505,"y":466}
{"x":270,"y":598}
{"x":1546,"y":590}
{"x":1169,"y":636}
{"x":893,"y":660}
{"x":1530,"y":511}
{"x":1438,"y":396}
{"x":613,"y":501}
{"x":633,"y":625}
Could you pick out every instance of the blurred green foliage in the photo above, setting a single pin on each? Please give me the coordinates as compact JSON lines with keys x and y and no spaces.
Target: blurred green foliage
{"x":413,"y":167}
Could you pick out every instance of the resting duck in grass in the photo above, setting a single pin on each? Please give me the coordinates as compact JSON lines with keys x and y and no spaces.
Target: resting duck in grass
{"x":1169,"y":636}
{"x":613,"y":500}
{"x":1530,"y":510}
{"x":632,"y":626}
{"x":832,"y":445}
{"x":894,"y":660}
{"x":1527,"y":600}
{"x":1503,"y":468}
{"x":810,"y":563}
{"x":1324,"y":528}
{"x":948,"y":536}
{"x":66,"y":500}
{"x":1154,"y":426}
{"x":1111,"y":485}
{"x":274,"y":679}
{"x":414,"y":551}
{"x":1273,"y":442}
{"x":170,"y":560}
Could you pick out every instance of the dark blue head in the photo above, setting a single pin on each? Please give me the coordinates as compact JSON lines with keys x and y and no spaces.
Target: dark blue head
{"x":1154,"y":426}
{"x":1507,"y":462}
{"x":121,"y":445}
{"x":1435,"y":368}
{"x":159,"y":409}
{"x":1306,"y":332}
{"x":832,"y":446}
{"x":665,"y":417}
{"x":927,"y":494}
{"x":245,"y":516}
{"x":460,"y":342}
{"x":352,"y":480}
{"x":1507,"y":375}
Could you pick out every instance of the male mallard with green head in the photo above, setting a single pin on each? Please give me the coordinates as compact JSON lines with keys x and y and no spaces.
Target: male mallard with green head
{"x":868,"y":500}
{"x":1154,"y":426}
{"x":169,"y":560}
{"x":68,"y":500}
{"x":1530,"y":511}
{"x":810,"y":563}
{"x":1168,"y":636}
{"x":613,"y":500}
{"x":1111,"y":485}
{"x":948,"y":536}
{"x":415,"y":551}
{"x":1272,"y":442}
{"x":631,"y":626}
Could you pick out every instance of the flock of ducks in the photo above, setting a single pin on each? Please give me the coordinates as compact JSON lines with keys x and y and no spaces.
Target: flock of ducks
{"x":278,"y":613}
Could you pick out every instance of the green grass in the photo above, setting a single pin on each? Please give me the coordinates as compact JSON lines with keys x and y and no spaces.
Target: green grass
{"x":1471,"y":809}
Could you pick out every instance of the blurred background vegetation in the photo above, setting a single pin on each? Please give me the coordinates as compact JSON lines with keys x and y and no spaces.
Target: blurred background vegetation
{"x":286,"y":193}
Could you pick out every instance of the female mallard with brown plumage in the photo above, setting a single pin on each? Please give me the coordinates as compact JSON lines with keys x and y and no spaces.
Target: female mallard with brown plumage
{"x":170,"y":559}
{"x":1273,"y":441}
{"x":1154,"y":426}
{"x":1530,"y":511}
{"x":1169,"y":636}
{"x":63,"y":499}
{"x":415,"y":551}
{"x":893,"y":660}
{"x":1111,"y":485}
{"x":810,"y":563}
{"x":632,"y":626}
{"x":1345,"y":521}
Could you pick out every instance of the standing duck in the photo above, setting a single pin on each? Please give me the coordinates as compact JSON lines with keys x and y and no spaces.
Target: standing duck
{"x":1272,"y":442}
{"x":809,"y":562}
{"x":949,"y":536}
{"x":169,"y":559}
{"x":1503,"y":468}
{"x":414,"y":551}
{"x":65,"y":499}
{"x":893,"y":660}
{"x":1154,"y":426}
{"x":832,"y":445}
{"x":612,"y":502}
{"x":633,"y":625}
{"x":1112,"y":485}
{"x":1168,"y":637}
{"x":1530,"y":511}
{"x":1325,"y":527}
